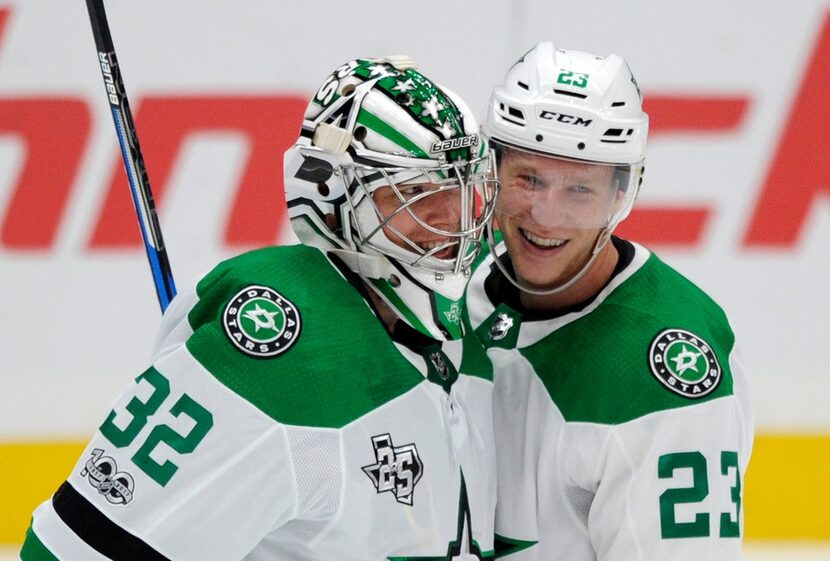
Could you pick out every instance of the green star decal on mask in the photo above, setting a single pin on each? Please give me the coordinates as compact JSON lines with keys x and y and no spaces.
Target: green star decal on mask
{"x":404,"y":86}
{"x":463,"y":547}
{"x":431,"y":107}
{"x":412,"y":91}
{"x":380,"y":70}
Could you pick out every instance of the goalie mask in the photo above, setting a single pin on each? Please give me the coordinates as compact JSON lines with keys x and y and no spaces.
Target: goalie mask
{"x":390,"y":175}
{"x":570,"y":134}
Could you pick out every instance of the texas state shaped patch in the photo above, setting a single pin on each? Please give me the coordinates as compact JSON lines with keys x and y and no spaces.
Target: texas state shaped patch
{"x":261,"y":322}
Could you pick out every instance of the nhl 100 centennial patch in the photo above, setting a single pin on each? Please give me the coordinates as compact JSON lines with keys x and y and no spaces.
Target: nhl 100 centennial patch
{"x":260,"y":322}
{"x":684,"y":363}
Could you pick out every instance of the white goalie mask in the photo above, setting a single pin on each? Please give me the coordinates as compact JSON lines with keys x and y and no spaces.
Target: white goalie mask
{"x":390,"y":175}
{"x":570,"y":134}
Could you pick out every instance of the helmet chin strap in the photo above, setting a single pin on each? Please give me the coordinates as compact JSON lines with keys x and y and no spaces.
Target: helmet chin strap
{"x":413,"y":301}
{"x":602,"y":239}
{"x":377,"y":266}
{"x":369,"y":266}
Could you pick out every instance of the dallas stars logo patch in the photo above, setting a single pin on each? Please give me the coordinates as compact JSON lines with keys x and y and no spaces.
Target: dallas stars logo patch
{"x":684,"y":363}
{"x":260,"y":322}
{"x":397,"y":468}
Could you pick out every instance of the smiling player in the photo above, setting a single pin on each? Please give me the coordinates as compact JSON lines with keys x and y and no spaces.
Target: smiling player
{"x":623,"y":424}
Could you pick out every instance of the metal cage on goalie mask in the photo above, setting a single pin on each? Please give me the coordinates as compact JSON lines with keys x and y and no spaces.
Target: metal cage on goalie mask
{"x":391,"y":174}
{"x":380,"y":124}
{"x":442,"y":203}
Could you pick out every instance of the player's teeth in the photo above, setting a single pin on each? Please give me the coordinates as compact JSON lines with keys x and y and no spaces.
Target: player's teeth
{"x":544,"y":242}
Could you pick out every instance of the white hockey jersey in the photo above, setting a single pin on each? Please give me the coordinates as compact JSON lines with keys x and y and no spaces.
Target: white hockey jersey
{"x":280,"y":422}
{"x":623,"y":425}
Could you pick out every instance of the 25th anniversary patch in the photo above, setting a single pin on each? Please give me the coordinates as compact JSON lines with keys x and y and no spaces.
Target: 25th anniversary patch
{"x":684,"y":363}
{"x":260,"y":322}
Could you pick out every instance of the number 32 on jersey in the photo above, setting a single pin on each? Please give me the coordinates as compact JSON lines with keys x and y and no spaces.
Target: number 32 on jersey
{"x":139,"y":412}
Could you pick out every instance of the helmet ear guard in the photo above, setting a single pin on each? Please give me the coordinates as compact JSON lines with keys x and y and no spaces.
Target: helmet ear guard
{"x":314,"y":177}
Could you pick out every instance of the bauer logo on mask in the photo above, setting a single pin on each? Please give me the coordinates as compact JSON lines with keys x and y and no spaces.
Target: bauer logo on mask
{"x":454,"y":143}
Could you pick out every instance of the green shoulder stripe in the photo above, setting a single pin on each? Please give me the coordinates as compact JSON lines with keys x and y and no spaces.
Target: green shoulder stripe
{"x":657,"y":342}
{"x":34,"y":550}
{"x":317,"y":375}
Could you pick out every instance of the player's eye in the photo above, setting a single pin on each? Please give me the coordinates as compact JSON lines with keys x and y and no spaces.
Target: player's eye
{"x":580,"y":190}
{"x":530,"y":181}
{"x":411,"y":191}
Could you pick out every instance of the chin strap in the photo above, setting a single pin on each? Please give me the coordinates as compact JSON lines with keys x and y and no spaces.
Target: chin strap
{"x":369,"y":266}
{"x":602,"y":239}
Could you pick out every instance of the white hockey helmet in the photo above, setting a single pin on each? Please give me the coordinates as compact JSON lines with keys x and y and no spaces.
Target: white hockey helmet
{"x":573,"y":106}
{"x":380,"y":124}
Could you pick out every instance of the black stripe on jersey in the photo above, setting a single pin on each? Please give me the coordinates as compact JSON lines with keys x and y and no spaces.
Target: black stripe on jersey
{"x":99,"y":532}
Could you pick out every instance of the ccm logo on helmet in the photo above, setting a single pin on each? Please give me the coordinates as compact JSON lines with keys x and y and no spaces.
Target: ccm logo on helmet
{"x":454,"y":143}
{"x":563,"y":118}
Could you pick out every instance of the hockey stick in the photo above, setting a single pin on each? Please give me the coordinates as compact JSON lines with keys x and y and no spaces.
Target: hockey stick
{"x":142,"y":196}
